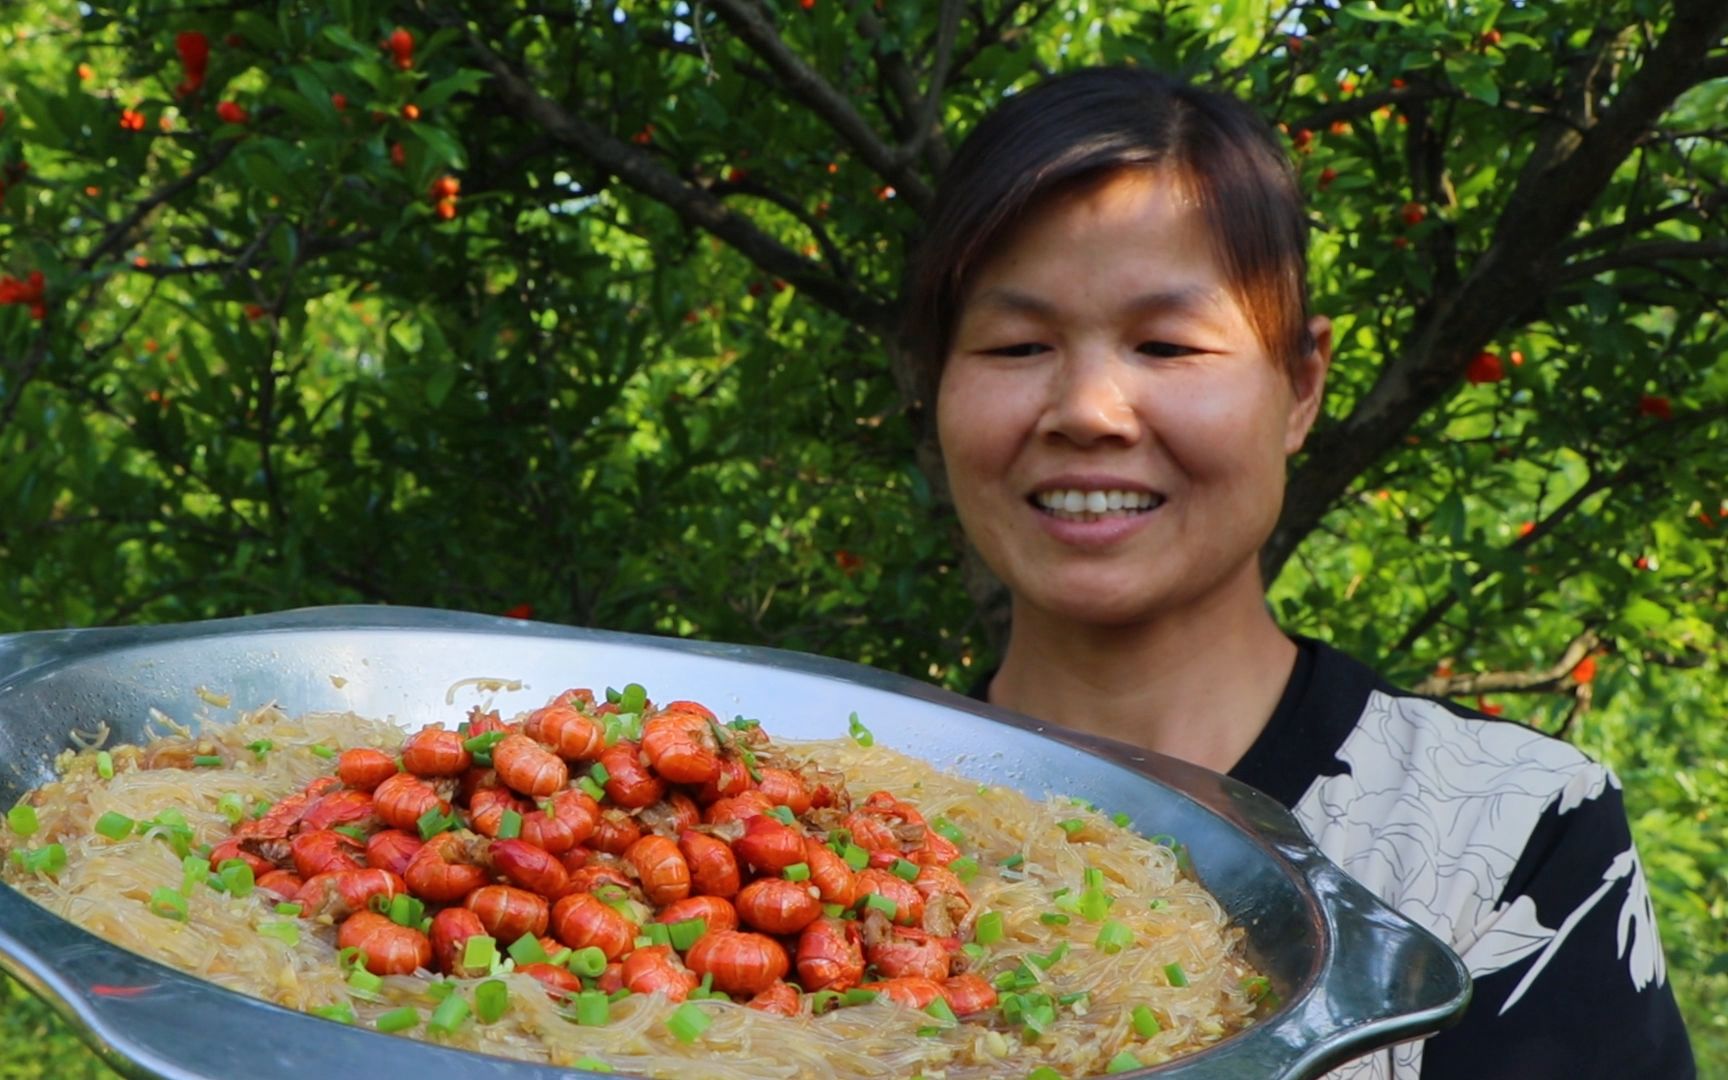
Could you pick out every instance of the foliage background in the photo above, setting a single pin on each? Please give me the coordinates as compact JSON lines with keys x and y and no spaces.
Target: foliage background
{"x":641,"y":376}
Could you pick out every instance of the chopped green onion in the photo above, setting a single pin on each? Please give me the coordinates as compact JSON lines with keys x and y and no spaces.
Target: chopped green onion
{"x":525,"y":950}
{"x":1069,"y":999}
{"x":857,"y":997}
{"x":404,"y":1019}
{"x":1013,"y":861}
{"x":1122,"y":1062}
{"x":965,"y":868}
{"x":50,"y":859}
{"x":322,"y":751}
{"x":1046,"y":961}
{"x":750,"y":765}
{"x":633,"y":700}
{"x":687,"y":932}
{"x":285,"y":932}
{"x":510,"y":825}
{"x":1093,"y":877}
{"x":559,"y":958}
{"x":260,"y":748}
{"x":1256,"y":987}
{"x":21,"y":819}
{"x":856,"y":857}
{"x":833,"y":911}
{"x":590,"y":788}
{"x":288,"y":908}
{"x":1113,"y":937}
{"x":405,"y":910}
{"x":435,"y":821}
{"x":860,"y":734}
{"x":1043,"y":1072}
{"x":905,"y":870}
{"x":881,"y":903}
{"x":481,"y":952}
{"x":591,"y":1064}
{"x":642,"y":941}
{"x":593,"y":1009}
{"x":588,"y":962}
{"x":341,"y":1012}
{"x":940,"y":1009}
{"x":659,"y":934}
{"x":948,"y":831}
{"x":491,"y":999}
{"x":796,"y":872}
{"x":1175,"y":975}
{"x":482,"y":744}
{"x":822,"y":1000}
{"x":1053,"y":918}
{"x":364,"y":984}
{"x":600,"y":774}
{"x":740,"y":723}
{"x":1145,"y":1024}
{"x":1121,"y":819}
{"x":688,"y":1022}
{"x":973,"y":950}
{"x":207,"y":761}
{"x":115,"y":826}
{"x":782,"y":814}
{"x":618,"y":995}
{"x":988,"y":930}
{"x":236,"y":877}
{"x":1095,"y":904}
{"x":449,"y":1014}
{"x":194,"y":870}
{"x":353,"y":831}
{"x":104,"y":764}
{"x":232,"y":806}
{"x":168,"y":903}
{"x":1072,"y":825}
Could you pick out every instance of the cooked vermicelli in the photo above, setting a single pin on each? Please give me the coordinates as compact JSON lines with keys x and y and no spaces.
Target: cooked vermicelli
{"x":892,"y":920}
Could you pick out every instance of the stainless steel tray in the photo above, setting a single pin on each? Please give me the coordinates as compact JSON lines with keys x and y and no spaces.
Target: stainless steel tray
{"x":1353,"y":974}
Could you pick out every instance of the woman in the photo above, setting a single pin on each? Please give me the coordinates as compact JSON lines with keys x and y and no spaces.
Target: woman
{"x":1110,"y":312}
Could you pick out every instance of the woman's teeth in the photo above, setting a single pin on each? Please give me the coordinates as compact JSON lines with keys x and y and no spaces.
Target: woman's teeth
{"x":1088,"y":505}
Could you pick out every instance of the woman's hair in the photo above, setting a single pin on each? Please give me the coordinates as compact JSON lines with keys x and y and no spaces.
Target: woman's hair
{"x":1079,"y":126}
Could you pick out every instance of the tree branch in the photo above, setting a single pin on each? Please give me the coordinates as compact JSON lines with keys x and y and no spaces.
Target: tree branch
{"x":1493,"y":682}
{"x":694,"y":205}
{"x":924,"y":127}
{"x":1558,"y":185}
{"x":1640,"y":255}
{"x":807,"y":85}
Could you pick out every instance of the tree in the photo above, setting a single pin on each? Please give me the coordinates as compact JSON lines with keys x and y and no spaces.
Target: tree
{"x":591,"y":310}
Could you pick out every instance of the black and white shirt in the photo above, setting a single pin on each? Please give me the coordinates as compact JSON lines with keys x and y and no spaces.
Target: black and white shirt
{"x":1510,"y":845}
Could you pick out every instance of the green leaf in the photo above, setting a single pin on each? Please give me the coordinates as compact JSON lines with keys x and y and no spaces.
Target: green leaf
{"x":441,"y":143}
{"x":1475,"y":77}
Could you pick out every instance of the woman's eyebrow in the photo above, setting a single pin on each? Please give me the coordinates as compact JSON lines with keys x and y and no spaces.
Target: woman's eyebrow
{"x":1198,"y":301}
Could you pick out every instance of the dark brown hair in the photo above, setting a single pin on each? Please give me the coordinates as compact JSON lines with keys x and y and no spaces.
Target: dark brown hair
{"x":1070,"y":128}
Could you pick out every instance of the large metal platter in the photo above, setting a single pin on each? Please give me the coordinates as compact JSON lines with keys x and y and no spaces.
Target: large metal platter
{"x":1353,"y":974}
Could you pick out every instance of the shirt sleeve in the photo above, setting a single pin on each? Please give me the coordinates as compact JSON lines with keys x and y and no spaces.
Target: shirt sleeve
{"x":1570,"y":979}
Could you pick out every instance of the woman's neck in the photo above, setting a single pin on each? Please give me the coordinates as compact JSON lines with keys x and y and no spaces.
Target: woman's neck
{"x":1200,"y":687}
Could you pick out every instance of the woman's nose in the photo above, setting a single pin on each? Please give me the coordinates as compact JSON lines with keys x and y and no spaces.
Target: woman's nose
{"x":1089,"y":401}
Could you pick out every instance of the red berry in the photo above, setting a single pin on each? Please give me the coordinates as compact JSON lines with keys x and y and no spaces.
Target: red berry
{"x":1484,"y":368}
{"x":1490,"y":38}
{"x":1302,"y":139}
{"x":410,"y":111}
{"x":1414,"y":213}
{"x":1398,"y":84}
{"x":232,"y":113}
{"x":1327,"y":175}
{"x":340,"y":101}
{"x":398,"y":156}
{"x":446,"y":187}
{"x":1585,"y":671}
{"x":254,"y":311}
{"x":1516,"y":357}
{"x":1656,"y":406}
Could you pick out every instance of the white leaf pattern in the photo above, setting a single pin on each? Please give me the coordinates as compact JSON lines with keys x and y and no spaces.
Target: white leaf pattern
{"x":1432,"y":817}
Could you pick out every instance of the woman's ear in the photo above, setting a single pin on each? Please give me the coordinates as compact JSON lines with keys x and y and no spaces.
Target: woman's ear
{"x":1308,"y":382}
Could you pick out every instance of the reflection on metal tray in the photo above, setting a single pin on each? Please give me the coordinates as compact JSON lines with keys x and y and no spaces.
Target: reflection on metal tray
{"x":1353,"y":975}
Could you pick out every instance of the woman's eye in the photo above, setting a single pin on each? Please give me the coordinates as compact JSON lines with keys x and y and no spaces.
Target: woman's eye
{"x":1028,"y":348}
{"x":1165,"y":349}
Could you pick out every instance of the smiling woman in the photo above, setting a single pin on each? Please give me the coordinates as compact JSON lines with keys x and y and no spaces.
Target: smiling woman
{"x":1109,"y":312}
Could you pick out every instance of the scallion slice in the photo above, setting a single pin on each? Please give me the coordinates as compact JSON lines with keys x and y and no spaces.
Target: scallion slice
{"x":491,"y":1000}
{"x":104,"y":764}
{"x":905,"y":870}
{"x":688,"y":1022}
{"x":1145,"y":1024}
{"x":435,"y":821}
{"x":404,"y":1019}
{"x":526,"y":950}
{"x":687,"y":932}
{"x":1121,"y":819}
{"x":940,"y":1009}
{"x":797,"y":872}
{"x":590,"y":788}
{"x":856,"y":996}
{"x":988,"y":930}
{"x":231,"y":806}
{"x":341,"y":1012}
{"x":363,"y":983}
{"x":288,"y":908}
{"x":260,"y":748}
{"x":21,"y":819}
{"x":449,"y":1014}
{"x":236,"y":877}
{"x":1053,"y":918}
{"x":878,"y":902}
{"x":588,"y":962}
{"x":948,"y":831}
{"x":510,"y":825}
{"x":593,"y":1009}
{"x":1043,"y":1072}
{"x":168,"y":903}
{"x":965,"y":868}
{"x":1123,"y":1062}
{"x":1113,"y":937}
{"x":1094,"y":904}
{"x":1174,"y":974}
{"x":1072,"y":825}
{"x":856,"y":857}
{"x":115,"y":826}
{"x":600,"y":774}
{"x":322,"y":751}
{"x":208,"y":761}
{"x":481,"y":952}
{"x":782,"y":814}
{"x":1014,"y":861}
{"x":860,"y":734}
{"x":285,"y":932}
{"x":659,"y":933}
{"x":49,"y":859}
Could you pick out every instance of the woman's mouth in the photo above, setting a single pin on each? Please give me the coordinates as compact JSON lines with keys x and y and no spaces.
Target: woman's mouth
{"x":1095,"y":504}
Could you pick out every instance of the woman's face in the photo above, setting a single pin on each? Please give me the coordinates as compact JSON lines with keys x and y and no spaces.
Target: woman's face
{"x":1114,"y":432}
